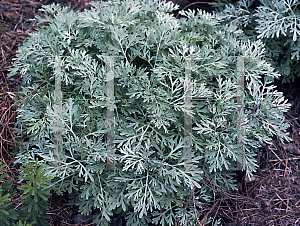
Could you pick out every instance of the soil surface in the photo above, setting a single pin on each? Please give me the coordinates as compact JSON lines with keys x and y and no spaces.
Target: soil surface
{"x":271,"y":198}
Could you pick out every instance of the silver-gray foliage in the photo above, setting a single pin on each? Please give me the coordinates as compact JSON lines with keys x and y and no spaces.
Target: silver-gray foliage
{"x":277,"y":24}
{"x":150,"y":49}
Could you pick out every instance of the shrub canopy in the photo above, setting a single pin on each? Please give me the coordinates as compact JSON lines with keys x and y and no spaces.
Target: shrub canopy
{"x":151,"y":50}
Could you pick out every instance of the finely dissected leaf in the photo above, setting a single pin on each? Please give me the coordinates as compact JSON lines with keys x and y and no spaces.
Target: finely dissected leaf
{"x":277,"y":24}
{"x":148,"y":53}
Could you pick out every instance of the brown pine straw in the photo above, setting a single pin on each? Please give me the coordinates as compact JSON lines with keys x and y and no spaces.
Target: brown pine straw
{"x":271,"y":198}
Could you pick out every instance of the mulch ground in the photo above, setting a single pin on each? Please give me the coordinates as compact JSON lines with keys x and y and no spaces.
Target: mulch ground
{"x":271,"y":198}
